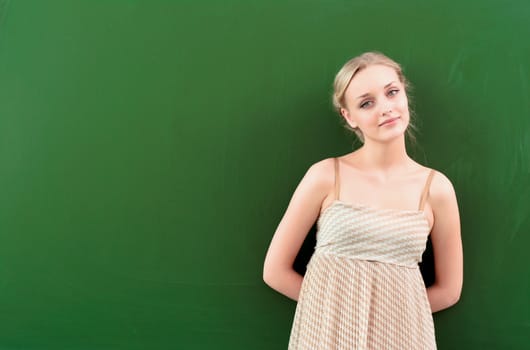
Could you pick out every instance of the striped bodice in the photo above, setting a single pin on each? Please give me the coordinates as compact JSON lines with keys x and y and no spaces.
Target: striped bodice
{"x":362,"y":232}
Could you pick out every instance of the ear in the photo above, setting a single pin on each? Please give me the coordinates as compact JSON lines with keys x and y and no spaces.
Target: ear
{"x":348,"y":118}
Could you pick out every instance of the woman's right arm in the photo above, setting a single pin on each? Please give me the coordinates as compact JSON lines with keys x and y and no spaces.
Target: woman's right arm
{"x":302,"y":212}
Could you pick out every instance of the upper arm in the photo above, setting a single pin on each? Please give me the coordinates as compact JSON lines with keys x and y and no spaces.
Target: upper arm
{"x":445,"y":235}
{"x":302,"y":212}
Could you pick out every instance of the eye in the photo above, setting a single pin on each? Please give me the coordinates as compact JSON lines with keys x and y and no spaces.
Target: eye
{"x":393,"y":92}
{"x":365,"y":104}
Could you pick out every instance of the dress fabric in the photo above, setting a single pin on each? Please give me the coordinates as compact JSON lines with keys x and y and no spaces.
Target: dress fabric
{"x":363,"y":288}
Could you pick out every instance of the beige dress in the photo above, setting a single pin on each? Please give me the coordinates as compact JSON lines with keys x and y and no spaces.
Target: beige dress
{"x":363,"y":288}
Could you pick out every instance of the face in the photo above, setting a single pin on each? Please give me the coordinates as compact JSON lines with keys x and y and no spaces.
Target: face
{"x":377,"y":104}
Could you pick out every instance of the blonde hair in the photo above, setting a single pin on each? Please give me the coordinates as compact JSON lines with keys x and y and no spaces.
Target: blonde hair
{"x":355,"y":65}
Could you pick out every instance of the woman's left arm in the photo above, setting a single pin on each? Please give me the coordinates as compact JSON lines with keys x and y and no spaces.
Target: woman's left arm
{"x":447,"y":245}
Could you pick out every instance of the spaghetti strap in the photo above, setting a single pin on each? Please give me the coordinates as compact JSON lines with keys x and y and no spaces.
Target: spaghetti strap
{"x":425,"y":192}
{"x":337,"y":179}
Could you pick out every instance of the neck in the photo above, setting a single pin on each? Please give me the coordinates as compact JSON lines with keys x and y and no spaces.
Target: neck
{"x":384,"y":158}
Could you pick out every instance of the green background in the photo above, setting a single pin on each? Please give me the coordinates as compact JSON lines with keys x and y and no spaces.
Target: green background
{"x":148,"y":150}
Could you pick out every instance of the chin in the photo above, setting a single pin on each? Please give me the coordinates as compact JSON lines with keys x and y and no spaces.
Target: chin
{"x":398,"y":134}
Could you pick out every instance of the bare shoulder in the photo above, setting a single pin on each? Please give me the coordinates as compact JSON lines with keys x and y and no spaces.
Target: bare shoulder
{"x":441,"y":188}
{"x":321,"y":174}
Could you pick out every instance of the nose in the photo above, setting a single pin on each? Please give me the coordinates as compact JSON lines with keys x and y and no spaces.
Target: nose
{"x":387,"y":108}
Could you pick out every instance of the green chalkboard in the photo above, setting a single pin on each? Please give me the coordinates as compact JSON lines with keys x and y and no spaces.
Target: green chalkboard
{"x":148,"y":150}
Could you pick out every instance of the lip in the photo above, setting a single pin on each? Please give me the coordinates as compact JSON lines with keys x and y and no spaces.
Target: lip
{"x":388,"y":121}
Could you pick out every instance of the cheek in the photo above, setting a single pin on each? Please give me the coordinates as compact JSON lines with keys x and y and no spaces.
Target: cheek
{"x":403,"y":103}
{"x":368,"y":117}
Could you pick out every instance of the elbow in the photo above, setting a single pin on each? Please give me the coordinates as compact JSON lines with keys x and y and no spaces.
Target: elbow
{"x":444,"y":297}
{"x":274,"y":275}
{"x":452,"y":297}
{"x":457,"y":292}
{"x":451,"y":300}
{"x":271,"y":279}
{"x":268,"y":281}
{"x":268,"y":274}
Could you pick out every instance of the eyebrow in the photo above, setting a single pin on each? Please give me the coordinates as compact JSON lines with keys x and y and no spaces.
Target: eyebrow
{"x":364,"y":95}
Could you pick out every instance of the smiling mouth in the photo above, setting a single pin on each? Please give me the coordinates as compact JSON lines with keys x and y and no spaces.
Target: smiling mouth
{"x":389,"y":121}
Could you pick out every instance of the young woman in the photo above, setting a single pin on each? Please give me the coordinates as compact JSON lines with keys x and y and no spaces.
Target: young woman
{"x":375,"y":208}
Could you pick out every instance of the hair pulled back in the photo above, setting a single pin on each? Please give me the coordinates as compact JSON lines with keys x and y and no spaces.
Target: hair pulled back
{"x":354,"y":66}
